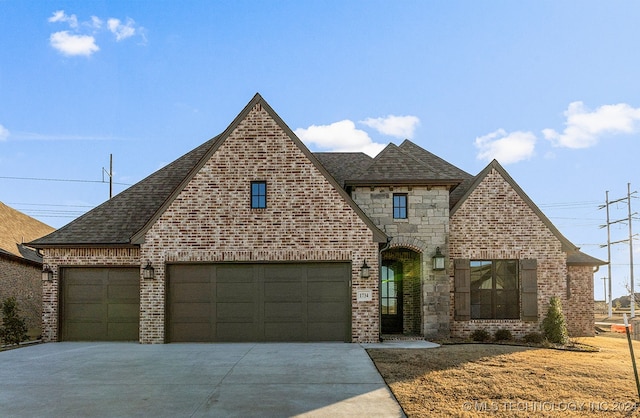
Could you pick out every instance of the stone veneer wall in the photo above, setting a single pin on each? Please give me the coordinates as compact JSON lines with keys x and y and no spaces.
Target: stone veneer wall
{"x":22,"y":281}
{"x":306,"y":219}
{"x":495,"y":223}
{"x":58,"y":258}
{"x":426,"y":227}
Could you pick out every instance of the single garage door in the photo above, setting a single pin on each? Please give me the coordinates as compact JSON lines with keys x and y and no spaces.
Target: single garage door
{"x":100,"y":304}
{"x":259,"y":302}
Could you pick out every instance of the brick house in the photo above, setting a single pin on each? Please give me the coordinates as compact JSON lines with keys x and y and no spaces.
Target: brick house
{"x":21,"y":266}
{"x":251,"y":237}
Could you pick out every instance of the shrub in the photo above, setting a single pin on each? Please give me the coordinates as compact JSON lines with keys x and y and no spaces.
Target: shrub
{"x":554,"y":325}
{"x":503,"y":335}
{"x":480,"y":335}
{"x":14,"y":328}
{"x":533,"y":338}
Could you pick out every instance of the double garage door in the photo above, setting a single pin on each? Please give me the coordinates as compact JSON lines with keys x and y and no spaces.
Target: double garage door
{"x":213,"y":303}
{"x":259,"y":302}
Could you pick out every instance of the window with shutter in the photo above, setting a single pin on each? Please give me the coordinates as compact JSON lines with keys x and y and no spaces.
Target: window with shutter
{"x":495,"y":289}
{"x":462,"y":297}
{"x":529,"y":277}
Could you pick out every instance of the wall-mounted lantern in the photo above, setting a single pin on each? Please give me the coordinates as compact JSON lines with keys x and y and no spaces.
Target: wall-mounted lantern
{"x":438,"y":260}
{"x":148,"y":272}
{"x":364,"y":270}
{"x":47,"y":274}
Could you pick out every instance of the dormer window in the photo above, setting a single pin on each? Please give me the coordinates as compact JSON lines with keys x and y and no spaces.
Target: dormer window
{"x":258,"y":194}
{"x":399,"y":206}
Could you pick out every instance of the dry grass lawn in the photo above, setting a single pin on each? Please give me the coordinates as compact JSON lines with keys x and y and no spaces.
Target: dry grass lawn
{"x":478,"y":380}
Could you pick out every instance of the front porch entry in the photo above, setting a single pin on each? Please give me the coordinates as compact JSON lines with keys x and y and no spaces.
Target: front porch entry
{"x":400,"y":290}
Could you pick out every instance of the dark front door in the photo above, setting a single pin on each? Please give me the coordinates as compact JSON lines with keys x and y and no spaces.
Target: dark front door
{"x":391,"y":297}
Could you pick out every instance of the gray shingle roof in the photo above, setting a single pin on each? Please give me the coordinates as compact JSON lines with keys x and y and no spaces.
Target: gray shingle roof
{"x":443,"y":167}
{"x":404,"y":164}
{"x":578,"y":258}
{"x":343,"y":165}
{"x":118,"y":219}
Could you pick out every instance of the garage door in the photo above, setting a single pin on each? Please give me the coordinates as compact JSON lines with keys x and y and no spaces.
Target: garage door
{"x":100,"y":304}
{"x":259,"y":302}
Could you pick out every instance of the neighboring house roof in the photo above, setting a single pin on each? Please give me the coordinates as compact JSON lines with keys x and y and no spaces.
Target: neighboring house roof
{"x":17,"y":228}
{"x":124,"y":219}
{"x":494,"y":165}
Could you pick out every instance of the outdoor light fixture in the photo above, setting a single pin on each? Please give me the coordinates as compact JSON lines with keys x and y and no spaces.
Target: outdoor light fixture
{"x":438,"y":260}
{"x":148,"y":272}
{"x":364,"y":270}
{"x":47,"y":274}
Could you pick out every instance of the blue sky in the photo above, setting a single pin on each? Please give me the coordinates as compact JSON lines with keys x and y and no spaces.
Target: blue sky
{"x":549,"y":88}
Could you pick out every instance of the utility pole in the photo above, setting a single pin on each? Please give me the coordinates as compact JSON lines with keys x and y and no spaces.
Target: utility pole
{"x":608,"y":225}
{"x":633,"y":289}
{"x":110,"y":174}
{"x":630,"y":240}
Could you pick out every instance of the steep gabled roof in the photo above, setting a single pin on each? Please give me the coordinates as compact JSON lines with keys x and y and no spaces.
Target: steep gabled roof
{"x":126,"y":218}
{"x":436,"y":164}
{"x":393,"y":165}
{"x":567,"y":246}
{"x":17,"y":228}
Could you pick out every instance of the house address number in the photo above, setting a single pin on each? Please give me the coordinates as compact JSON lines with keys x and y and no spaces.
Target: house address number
{"x":364,"y":295}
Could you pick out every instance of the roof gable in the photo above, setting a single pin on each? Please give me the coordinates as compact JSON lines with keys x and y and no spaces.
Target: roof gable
{"x":124,"y":219}
{"x":494,"y":165}
{"x":257,"y":100}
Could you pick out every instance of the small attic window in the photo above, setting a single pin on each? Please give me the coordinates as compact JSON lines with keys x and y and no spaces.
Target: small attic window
{"x":258,"y":194}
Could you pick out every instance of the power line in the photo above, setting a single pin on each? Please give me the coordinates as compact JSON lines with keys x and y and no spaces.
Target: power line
{"x":60,"y":180}
{"x":50,"y":204}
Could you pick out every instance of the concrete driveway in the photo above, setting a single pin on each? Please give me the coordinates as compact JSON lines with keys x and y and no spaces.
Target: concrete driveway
{"x":192,"y":380}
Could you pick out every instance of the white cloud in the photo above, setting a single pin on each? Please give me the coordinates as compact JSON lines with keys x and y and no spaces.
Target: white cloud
{"x":122,"y":31}
{"x":401,"y":127}
{"x":70,"y":44}
{"x":61,"y":16}
{"x":505,"y":147}
{"x":80,"y":39}
{"x":585,"y":128}
{"x":4,"y":133}
{"x":340,"y":136}
{"x":96,"y":22}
